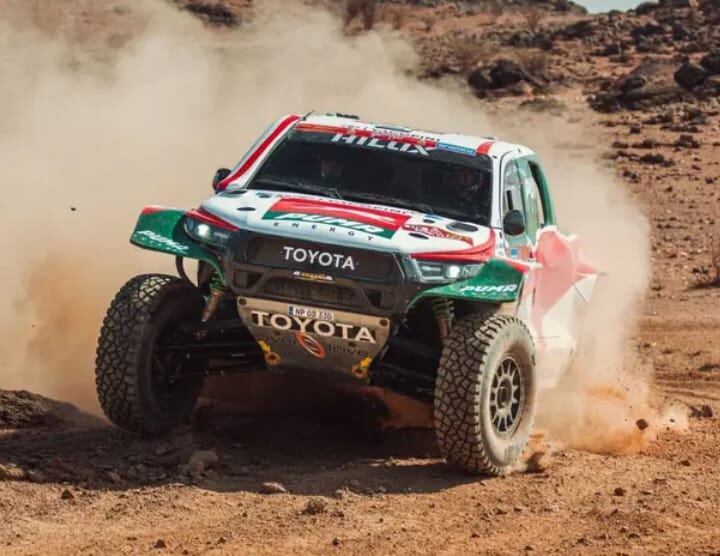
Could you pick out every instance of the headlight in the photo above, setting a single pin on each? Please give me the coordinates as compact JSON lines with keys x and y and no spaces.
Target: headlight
{"x":431,"y":271}
{"x":207,"y":232}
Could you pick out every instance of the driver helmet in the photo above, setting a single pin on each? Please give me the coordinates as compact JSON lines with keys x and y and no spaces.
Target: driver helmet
{"x":465,"y":182}
{"x":330,"y":169}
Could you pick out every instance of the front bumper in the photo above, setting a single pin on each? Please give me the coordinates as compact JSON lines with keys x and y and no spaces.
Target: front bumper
{"x":306,"y":311}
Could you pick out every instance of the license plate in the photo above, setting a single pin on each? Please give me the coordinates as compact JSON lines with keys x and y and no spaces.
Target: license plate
{"x":310,"y":313}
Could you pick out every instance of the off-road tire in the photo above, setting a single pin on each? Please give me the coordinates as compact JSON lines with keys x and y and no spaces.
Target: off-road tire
{"x":145,"y":308}
{"x":472,"y":354}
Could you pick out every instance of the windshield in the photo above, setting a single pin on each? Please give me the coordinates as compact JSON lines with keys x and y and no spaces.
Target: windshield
{"x":427,"y":179}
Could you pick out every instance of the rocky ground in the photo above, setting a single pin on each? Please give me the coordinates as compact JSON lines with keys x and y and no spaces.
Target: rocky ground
{"x":319,"y":483}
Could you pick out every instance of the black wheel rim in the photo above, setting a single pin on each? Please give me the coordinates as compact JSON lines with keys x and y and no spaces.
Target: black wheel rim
{"x":507,"y":396}
{"x":169,"y":368}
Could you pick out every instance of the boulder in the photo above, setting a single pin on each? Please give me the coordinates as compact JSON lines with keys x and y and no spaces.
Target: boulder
{"x":711,"y":61}
{"x":506,"y":73}
{"x":690,"y":75}
{"x":480,"y":79}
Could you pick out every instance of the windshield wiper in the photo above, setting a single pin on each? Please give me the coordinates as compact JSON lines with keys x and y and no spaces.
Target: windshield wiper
{"x":384,"y":199}
{"x":297,"y":185}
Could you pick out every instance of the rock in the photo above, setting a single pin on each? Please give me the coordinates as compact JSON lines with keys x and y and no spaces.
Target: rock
{"x":690,"y":75}
{"x":335,"y":541}
{"x":12,"y":473}
{"x":213,"y":13}
{"x":619,"y":491}
{"x":642,"y":424}
{"x":202,"y":460}
{"x":315,"y":506}
{"x":709,"y":88}
{"x":685,"y":462}
{"x":579,"y":30}
{"x":273,"y":488}
{"x":506,"y":73}
{"x":711,"y":61}
{"x":649,"y":29}
{"x":36,"y":476}
{"x":160,"y":543}
{"x":114,"y":477}
{"x":480,"y":79}
{"x":656,"y":158}
{"x":681,"y":32}
{"x":66,"y":495}
{"x":632,"y":82}
{"x":687,"y":141}
{"x":702,"y":412}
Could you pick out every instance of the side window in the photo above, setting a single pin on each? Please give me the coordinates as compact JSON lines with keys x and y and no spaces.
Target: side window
{"x":535,"y":178}
{"x":532,"y":199}
{"x":512,"y":189}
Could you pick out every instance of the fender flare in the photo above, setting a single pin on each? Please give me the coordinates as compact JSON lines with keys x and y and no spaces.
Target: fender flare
{"x":497,"y":282}
{"x":161,"y":229}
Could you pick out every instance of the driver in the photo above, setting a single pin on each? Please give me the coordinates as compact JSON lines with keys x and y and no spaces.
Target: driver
{"x":330,"y":169}
{"x":466,"y":183}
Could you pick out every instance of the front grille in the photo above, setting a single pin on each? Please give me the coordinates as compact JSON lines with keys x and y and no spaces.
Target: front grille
{"x":257,"y":266}
{"x":310,"y":292}
{"x":356,"y":264}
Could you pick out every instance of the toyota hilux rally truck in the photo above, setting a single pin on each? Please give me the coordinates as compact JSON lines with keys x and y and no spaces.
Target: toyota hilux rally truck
{"x":424,"y":263}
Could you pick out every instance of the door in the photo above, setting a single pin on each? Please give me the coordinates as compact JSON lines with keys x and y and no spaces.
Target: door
{"x":558,"y":284}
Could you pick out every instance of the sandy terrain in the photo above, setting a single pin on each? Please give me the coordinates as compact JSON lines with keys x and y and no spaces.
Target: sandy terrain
{"x":324,"y":480}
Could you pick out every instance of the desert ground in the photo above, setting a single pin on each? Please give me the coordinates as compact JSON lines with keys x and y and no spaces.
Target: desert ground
{"x":310,"y":472}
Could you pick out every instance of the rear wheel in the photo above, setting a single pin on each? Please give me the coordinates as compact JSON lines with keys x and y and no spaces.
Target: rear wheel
{"x":142,"y":387}
{"x":485,"y":393}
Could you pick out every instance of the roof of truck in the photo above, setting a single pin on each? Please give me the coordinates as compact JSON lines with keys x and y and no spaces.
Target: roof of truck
{"x":481,"y":145}
{"x":352,"y":126}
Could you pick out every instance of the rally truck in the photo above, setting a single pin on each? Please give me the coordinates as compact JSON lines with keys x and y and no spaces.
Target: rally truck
{"x":429,"y":264}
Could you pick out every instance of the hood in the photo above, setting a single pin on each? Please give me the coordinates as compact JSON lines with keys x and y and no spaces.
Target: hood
{"x":325,"y":220}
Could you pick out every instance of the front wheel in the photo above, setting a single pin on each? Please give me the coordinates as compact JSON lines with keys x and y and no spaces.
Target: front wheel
{"x":485,"y":393}
{"x":142,"y":387}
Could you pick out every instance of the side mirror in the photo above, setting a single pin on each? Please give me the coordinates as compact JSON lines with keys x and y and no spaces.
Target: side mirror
{"x":514,"y":223}
{"x":219,"y":176}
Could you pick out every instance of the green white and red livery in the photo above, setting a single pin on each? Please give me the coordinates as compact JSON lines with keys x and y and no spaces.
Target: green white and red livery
{"x":425,"y":263}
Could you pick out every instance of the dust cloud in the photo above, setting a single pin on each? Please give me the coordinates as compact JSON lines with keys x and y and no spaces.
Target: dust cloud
{"x":86,"y":141}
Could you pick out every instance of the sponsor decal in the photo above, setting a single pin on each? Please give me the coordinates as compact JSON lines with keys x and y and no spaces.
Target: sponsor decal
{"x":162,"y":240}
{"x":280,"y":321}
{"x":377,"y":222}
{"x":312,"y":276}
{"x":508,"y":288}
{"x":456,"y":149}
{"x":322,"y":258}
{"x":514,"y":252}
{"x":311,"y":345}
{"x":403,"y":144}
{"x":433,"y":231}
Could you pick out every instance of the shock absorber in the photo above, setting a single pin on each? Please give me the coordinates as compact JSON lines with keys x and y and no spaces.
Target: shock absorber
{"x":217,"y":292}
{"x":444,"y":311}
